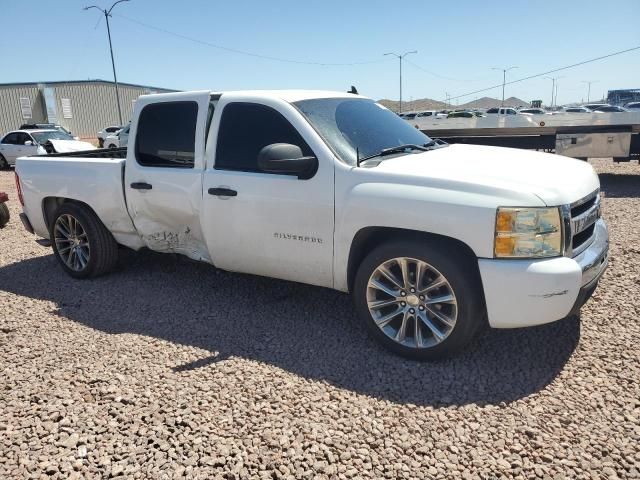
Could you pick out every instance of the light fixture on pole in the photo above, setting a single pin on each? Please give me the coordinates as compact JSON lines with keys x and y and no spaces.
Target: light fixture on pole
{"x":589,"y":82}
{"x":504,"y":79}
{"x":400,"y":57}
{"x":107,"y":14}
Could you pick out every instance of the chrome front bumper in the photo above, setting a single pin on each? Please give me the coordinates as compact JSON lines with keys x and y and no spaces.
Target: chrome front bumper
{"x":594,"y":259}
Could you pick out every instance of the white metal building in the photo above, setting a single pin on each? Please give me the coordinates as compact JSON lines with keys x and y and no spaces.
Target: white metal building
{"x":84,"y":107}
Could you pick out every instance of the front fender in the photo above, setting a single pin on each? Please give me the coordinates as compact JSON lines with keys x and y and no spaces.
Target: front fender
{"x":468,"y":217}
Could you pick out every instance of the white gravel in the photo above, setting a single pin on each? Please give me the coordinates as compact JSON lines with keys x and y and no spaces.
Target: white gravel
{"x":170,"y":369}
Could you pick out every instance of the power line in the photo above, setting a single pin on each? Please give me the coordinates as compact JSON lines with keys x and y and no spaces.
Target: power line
{"x":434,"y":73}
{"x":547,"y":72}
{"x":244,"y":52}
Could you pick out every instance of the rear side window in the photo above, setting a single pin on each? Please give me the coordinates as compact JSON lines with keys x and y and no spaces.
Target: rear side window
{"x":245,"y":129}
{"x":11,"y":139}
{"x":166,"y":135}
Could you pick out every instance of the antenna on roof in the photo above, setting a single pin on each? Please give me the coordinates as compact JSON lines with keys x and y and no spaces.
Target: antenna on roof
{"x":353,"y":90}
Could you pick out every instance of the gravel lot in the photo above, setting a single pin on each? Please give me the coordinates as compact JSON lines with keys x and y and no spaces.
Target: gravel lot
{"x":170,"y":369}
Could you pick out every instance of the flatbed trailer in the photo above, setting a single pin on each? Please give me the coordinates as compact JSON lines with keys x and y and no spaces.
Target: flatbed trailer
{"x":589,"y":135}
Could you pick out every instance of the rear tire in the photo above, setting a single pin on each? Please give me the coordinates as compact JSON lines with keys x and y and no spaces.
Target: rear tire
{"x":4,"y":165}
{"x":420,"y":300}
{"x":81,"y":243}
{"x":4,"y":215}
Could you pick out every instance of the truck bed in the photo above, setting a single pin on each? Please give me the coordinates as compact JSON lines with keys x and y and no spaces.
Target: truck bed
{"x":97,"y":182}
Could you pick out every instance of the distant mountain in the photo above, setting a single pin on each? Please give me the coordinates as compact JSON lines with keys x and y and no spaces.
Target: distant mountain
{"x":488,"y":102}
{"x":430,"y":104}
{"x":421,"y":104}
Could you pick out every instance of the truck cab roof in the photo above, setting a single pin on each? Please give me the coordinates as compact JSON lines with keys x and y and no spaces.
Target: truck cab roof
{"x":286,"y":95}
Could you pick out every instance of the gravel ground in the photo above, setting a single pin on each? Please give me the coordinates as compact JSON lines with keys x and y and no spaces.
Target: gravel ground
{"x":170,"y":369}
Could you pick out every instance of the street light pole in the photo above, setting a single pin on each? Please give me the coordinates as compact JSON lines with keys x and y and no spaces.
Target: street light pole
{"x":504,"y":79}
{"x":107,"y":14}
{"x":400,"y":57}
{"x":554,"y":90}
{"x":589,"y":82}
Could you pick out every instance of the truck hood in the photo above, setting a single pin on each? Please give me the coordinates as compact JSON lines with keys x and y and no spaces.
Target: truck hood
{"x":554,"y":179}
{"x":63,"y":146}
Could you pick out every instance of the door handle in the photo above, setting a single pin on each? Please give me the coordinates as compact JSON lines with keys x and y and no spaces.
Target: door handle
{"x":141,"y":186}
{"x":223,"y":192}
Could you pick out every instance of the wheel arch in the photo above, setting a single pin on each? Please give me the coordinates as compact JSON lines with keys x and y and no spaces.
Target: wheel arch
{"x":368,"y":238}
{"x":51,"y":204}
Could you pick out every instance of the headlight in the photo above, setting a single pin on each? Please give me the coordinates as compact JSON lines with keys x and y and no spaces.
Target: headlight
{"x":528,"y":233}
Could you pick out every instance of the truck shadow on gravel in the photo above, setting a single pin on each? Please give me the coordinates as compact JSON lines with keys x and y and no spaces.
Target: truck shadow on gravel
{"x":311,"y":332}
{"x":620,"y":185}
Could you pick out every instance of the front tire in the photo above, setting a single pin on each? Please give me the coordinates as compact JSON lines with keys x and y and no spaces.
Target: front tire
{"x":81,"y":243}
{"x":419,"y":300}
{"x":4,"y":165}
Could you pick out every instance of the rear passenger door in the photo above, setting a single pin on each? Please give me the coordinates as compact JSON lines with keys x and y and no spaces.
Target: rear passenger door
{"x":163,"y":175}
{"x":270,"y":224}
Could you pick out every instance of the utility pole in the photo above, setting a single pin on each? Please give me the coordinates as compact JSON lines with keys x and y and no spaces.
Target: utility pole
{"x":400,"y":57}
{"x":589,"y":82}
{"x":107,"y":14}
{"x":504,"y":79}
{"x":554,"y":90}
{"x":447,"y":106}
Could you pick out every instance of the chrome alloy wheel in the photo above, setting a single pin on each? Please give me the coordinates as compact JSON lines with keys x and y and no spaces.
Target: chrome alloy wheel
{"x":412,"y":302}
{"x":72,"y":243}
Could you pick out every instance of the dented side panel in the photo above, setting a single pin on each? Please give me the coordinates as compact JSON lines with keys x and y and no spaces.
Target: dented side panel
{"x":167,"y":213}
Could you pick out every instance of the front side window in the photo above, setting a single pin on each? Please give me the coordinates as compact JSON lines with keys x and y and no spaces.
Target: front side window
{"x":166,"y":135}
{"x":245,"y":129}
{"x":23,"y":138}
{"x":348,"y":125}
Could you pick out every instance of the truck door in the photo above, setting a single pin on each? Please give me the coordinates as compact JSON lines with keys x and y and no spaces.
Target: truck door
{"x":268,"y":224}
{"x":163,"y":174}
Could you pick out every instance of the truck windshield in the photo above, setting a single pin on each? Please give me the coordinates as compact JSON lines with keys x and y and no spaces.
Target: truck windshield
{"x":347,"y":124}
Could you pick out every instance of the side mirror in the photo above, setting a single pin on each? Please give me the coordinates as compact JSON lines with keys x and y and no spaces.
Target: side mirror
{"x":287,"y":159}
{"x":28,"y":143}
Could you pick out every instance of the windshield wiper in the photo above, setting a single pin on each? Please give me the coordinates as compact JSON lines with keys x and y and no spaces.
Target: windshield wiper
{"x":392,"y":150}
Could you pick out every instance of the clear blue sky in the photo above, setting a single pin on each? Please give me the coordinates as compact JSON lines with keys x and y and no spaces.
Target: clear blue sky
{"x":459,"y":41}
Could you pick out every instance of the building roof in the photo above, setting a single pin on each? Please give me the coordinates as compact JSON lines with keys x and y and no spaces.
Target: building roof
{"x":72,"y":82}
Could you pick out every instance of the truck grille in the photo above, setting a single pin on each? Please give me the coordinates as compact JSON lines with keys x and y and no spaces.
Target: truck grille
{"x":584,"y":214}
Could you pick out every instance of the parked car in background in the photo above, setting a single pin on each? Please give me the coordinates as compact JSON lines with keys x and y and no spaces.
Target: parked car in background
{"x":577,"y":110}
{"x":46,"y":126}
{"x":632,"y":106}
{"x":462,"y":114}
{"x":502,"y":111}
{"x":118,"y":139}
{"x":610,"y":109}
{"x":21,"y":143}
{"x":17,"y":144}
{"x":594,"y":106}
{"x":532,"y":111}
{"x":432,"y":113}
{"x":4,"y":210}
{"x":105,"y":132}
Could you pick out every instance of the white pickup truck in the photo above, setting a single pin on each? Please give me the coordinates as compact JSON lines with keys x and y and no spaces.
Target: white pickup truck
{"x":334,"y":190}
